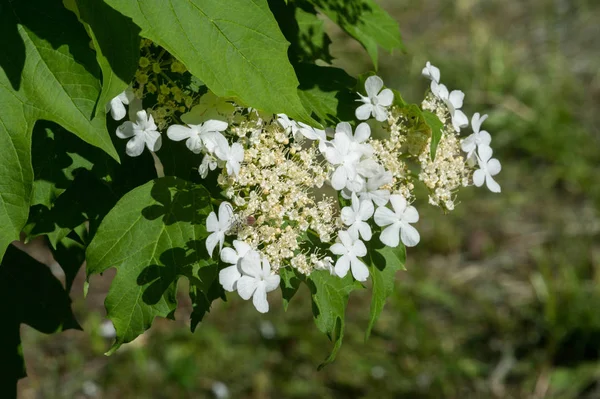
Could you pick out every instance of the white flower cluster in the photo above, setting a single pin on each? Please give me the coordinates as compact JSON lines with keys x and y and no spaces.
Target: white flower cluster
{"x":284,"y":180}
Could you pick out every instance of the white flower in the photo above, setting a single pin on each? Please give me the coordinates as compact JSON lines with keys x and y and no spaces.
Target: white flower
{"x":142,"y":132}
{"x":478,"y":138}
{"x":376,"y":102}
{"x":487,"y":168}
{"x":325,"y":264}
{"x":359,"y":138}
{"x":350,"y":248}
{"x":340,"y":154}
{"x":198,"y":136}
{"x":431,"y":72}
{"x":453,"y":101}
{"x":218,"y":227}
{"x":117,"y":104}
{"x":232,"y":155}
{"x":208,"y":163}
{"x":229,"y":276}
{"x":287,"y":124}
{"x":373,"y":190}
{"x":398,"y":223}
{"x":356,"y":215}
{"x":256,"y":281}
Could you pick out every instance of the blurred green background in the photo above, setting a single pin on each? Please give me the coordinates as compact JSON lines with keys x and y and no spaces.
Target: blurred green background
{"x":501,"y":297}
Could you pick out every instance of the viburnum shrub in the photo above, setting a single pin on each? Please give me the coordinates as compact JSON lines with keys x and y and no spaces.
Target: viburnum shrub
{"x":213,"y":140}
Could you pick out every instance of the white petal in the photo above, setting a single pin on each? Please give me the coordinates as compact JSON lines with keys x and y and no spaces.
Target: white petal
{"x":468,"y":144}
{"x":259,"y":299}
{"x":373,"y":85}
{"x":153,"y":140}
{"x":125,"y":130}
{"x":362,"y":132}
{"x":491,"y":184}
{"x":117,"y":109}
{"x":230,"y":256}
{"x":225,"y":215}
{"x":213,"y":125}
{"x":485,"y":153}
{"x":272,"y":282}
{"x":211,"y":242}
{"x":141,"y":117}
{"x":135,"y":146}
{"x":410,"y":215}
{"x":476,"y":121}
{"x":366,"y":210}
{"x":344,"y":127}
{"x":342,"y":266}
{"x":237,"y":152}
{"x":246,"y":286}
{"x":398,"y":203}
{"x":348,"y":216}
{"x":359,"y":248}
{"x":494,"y":167}
{"x":390,"y":236}
{"x":339,"y":178}
{"x":180,"y":132}
{"x":212,"y":223}
{"x":338,"y":249}
{"x":229,"y":276}
{"x":365,"y":231}
{"x":251,"y":264}
{"x":456,"y":98}
{"x":410,"y":235}
{"x":484,"y":138}
{"x":385,"y":216}
{"x":359,"y":270}
{"x":380,"y":197}
{"x":386,"y":97}
{"x":194,"y":144}
{"x":241,"y":247}
{"x":380,"y":113}
{"x":363,"y":112}
{"x":346,"y":239}
{"x":478,"y":177}
{"x":459,"y":120}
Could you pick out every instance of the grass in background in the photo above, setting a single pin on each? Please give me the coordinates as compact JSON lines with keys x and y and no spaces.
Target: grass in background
{"x":501,"y":296}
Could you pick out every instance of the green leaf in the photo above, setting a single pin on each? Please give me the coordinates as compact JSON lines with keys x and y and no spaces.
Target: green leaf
{"x":436,"y":127}
{"x":117,"y":42}
{"x":326,"y":91}
{"x":365,"y":21}
{"x":330,"y":296}
{"x":33,"y":296}
{"x":312,"y":41}
{"x":47,"y":71}
{"x":233,"y":46}
{"x":290,"y":282}
{"x":154,"y":235}
{"x":384,"y":263}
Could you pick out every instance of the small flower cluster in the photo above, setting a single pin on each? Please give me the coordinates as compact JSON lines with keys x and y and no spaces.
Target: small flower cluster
{"x":299,"y":196}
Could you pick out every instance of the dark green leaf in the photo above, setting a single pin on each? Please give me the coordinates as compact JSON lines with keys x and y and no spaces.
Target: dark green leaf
{"x":329,"y":297}
{"x":290,"y":282}
{"x":117,"y":43}
{"x":33,"y":296}
{"x":235,"y":47}
{"x":384,"y":263}
{"x":154,"y":235}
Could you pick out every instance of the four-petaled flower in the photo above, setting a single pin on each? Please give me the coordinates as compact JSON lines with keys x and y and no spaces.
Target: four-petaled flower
{"x":341,"y":155}
{"x":356,"y":215}
{"x":198,"y":136}
{"x":454,"y":101}
{"x":229,"y":276}
{"x":358,"y":139}
{"x":431,"y":72}
{"x":232,"y":155}
{"x":478,"y":138}
{"x":218,"y":227}
{"x":256,"y":280}
{"x":398,"y":223}
{"x":350,"y":248}
{"x":488,"y":167}
{"x":117,"y":104}
{"x":376,"y":101}
{"x":142,"y":132}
